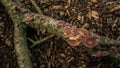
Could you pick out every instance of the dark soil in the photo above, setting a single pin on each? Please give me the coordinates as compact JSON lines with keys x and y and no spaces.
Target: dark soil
{"x":56,"y":53}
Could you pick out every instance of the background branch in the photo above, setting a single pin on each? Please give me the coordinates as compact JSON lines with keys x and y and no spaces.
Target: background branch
{"x":20,"y":40}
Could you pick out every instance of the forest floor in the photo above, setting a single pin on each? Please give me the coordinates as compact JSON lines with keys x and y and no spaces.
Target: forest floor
{"x":99,"y":16}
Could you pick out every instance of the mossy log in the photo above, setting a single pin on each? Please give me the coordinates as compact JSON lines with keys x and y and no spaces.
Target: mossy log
{"x":67,"y":31}
{"x":57,"y":27}
{"x":20,"y":42}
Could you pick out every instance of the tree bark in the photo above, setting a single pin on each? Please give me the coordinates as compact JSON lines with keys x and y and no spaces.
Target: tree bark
{"x":20,"y":42}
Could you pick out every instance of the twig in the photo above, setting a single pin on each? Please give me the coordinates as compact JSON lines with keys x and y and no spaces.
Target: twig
{"x":41,"y":41}
{"x":115,"y":8}
{"x":39,"y":11}
{"x":36,"y":6}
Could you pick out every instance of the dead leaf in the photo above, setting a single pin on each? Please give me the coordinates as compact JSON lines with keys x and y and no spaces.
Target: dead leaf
{"x":66,"y":6}
{"x":62,"y":13}
{"x":79,"y":17}
{"x":8,"y":42}
{"x":68,"y":1}
{"x":1,"y":24}
{"x":57,"y":7}
{"x":93,"y":14}
{"x":94,"y":1}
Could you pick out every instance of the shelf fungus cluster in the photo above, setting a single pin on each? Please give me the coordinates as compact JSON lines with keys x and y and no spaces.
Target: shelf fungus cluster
{"x":75,"y":36}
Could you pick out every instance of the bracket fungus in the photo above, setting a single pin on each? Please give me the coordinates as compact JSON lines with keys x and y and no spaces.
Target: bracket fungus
{"x":73,"y":42}
{"x":75,"y":36}
{"x":90,"y":42}
{"x":68,"y":32}
{"x":82,"y":32}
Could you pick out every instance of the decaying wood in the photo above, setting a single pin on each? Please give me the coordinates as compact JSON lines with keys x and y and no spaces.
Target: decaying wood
{"x":50,"y":25}
{"x":37,"y":21}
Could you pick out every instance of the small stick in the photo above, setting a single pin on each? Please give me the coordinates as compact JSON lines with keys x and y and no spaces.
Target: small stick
{"x":115,"y":8}
{"x":36,"y":6}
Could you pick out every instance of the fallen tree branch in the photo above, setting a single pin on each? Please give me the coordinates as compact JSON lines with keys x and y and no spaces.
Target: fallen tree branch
{"x":36,"y":6}
{"x":20,"y":42}
{"x":102,"y":40}
{"x":71,"y":34}
{"x":74,"y":36}
{"x":57,"y":26}
{"x":39,"y":41}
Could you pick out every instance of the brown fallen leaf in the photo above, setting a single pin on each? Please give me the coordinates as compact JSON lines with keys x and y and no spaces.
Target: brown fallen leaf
{"x":8,"y":42}
{"x":94,"y":1}
{"x":93,"y":14}
{"x":79,"y":17}
{"x":1,"y":24}
{"x":56,"y":7}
